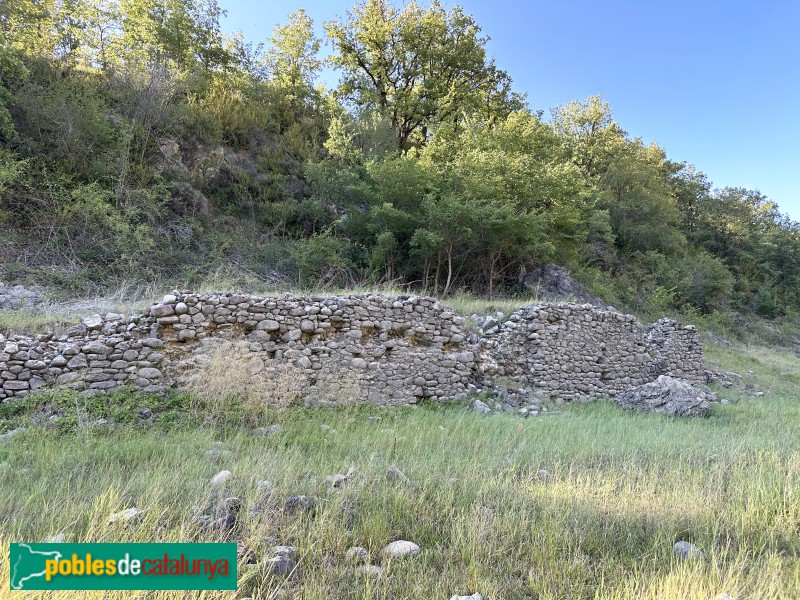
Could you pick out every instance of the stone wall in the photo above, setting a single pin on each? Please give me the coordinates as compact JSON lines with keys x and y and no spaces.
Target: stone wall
{"x":386,"y":350}
{"x":576,"y":351}
{"x":391,"y":350}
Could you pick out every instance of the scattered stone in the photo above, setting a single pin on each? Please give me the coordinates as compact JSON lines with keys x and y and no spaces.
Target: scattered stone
{"x":11,"y":433}
{"x":289,"y":551}
{"x":271,"y":430}
{"x":283,"y":561}
{"x":338,"y":479}
{"x":300,"y":503}
{"x":228,"y":511}
{"x":101,"y":422}
{"x":335,"y":480}
{"x":481,"y":407}
{"x":356,"y":555}
{"x":245,"y":555}
{"x":400,"y":549}
{"x":58,"y":538}
{"x":220,"y":478}
{"x":125,"y":516}
{"x":475,"y":596}
{"x":394,"y":473}
{"x":324,"y":427}
{"x":666,"y":395}
{"x":685,"y":550}
{"x":278,"y":565}
{"x":543,"y":475}
{"x":370,"y":570}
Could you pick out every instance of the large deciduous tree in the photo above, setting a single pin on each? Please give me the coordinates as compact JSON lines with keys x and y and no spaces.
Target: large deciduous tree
{"x":417,"y":66}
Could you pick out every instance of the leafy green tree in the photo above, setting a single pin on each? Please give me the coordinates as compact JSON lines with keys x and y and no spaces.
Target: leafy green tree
{"x":417,"y":66}
{"x":293,"y":57}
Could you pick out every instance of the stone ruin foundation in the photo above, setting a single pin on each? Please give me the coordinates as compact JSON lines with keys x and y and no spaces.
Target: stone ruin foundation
{"x":383,"y":350}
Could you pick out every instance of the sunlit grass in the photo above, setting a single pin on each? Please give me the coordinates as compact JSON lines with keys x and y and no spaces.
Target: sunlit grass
{"x":623,"y":489}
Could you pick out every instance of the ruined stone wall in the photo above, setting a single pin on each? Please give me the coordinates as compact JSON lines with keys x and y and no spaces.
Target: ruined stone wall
{"x":383,"y":350}
{"x":574,"y":351}
{"x":389,"y":350}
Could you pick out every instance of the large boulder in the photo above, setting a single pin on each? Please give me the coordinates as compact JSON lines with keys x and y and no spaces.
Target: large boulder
{"x":553,"y":282}
{"x":668,"y":396}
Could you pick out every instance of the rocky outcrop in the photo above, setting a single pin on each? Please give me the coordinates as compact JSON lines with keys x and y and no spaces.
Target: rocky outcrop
{"x":384,"y":350}
{"x":553,"y":282}
{"x":668,"y":396}
{"x":14,"y":297}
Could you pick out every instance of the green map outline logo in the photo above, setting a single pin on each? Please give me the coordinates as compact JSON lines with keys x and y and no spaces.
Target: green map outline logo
{"x":16,"y":563}
{"x":123,"y":566}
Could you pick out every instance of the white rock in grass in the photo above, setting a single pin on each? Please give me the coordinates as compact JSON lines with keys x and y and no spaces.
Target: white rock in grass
{"x":543,"y":475}
{"x":684,"y":550}
{"x":335,"y":480}
{"x":475,"y":596}
{"x":370,"y":570}
{"x":59,"y":538}
{"x":220,"y":478}
{"x":125,"y":516}
{"x":394,"y":473}
{"x":401,"y":548}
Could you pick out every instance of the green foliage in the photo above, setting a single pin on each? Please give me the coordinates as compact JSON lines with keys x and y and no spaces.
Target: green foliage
{"x":417,"y":66}
{"x":139,"y":142}
{"x":321,"y":261}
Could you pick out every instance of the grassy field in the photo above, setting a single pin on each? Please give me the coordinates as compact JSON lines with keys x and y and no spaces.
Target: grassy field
{"x":622,"y":490}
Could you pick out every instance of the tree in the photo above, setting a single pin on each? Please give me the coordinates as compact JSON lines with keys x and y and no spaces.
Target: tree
{"x":591,"y":136}
{"x":417,"y":66}
{"x":292,"y":58}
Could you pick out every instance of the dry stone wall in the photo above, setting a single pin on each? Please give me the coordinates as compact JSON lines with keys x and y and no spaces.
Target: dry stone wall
{"x":574,"y":351}
{"x":389,"y":350}
{"x":386,"y":350}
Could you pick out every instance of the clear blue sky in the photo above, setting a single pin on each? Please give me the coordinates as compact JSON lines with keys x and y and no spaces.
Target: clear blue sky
{"x":715,"y":83}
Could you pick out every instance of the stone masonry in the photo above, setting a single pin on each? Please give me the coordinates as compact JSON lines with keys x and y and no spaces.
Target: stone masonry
{"x":574,"y":351}
{"x":396,"y":350}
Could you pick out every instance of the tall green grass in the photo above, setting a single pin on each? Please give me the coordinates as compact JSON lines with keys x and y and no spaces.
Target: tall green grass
{"x":622,"y":489}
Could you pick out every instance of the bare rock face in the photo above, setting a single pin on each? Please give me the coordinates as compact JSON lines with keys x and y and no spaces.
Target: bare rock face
{"x":14,"y":297}
{"x":553,"y":282}
{"x":666,"y":395}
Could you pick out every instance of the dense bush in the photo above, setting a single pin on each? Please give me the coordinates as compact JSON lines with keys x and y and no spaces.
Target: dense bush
{"x":141,"y":143}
